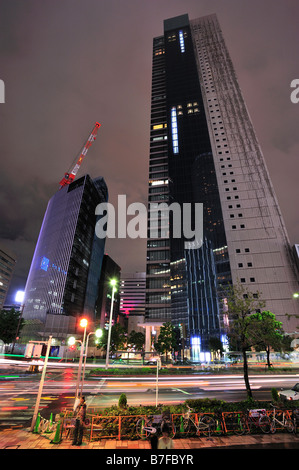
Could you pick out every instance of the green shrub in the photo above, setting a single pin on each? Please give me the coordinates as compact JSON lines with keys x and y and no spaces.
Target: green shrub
{"x":122,"y":402}
{"x":274,"y":394}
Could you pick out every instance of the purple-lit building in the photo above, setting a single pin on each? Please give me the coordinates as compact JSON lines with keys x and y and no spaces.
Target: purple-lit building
{"x":64,"y":275}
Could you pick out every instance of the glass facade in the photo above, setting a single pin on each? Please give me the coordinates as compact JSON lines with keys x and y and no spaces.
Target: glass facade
{"x":207,"y":153}
{"x":158,"y":248}
{"x":110,"y":270}
{"x":182,"y":284}
{"x":7,"y":265}
{"x":66,"y":266}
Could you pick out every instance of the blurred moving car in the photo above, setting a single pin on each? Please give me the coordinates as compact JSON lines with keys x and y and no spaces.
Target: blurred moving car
{"x":152,"y":361}
{"x":291,"y":394}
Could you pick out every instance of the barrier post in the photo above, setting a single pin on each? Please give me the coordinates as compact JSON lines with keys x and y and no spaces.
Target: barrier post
{"x":57,"y":437}
{"x":37,"y":423}
{"x":119,"y":427}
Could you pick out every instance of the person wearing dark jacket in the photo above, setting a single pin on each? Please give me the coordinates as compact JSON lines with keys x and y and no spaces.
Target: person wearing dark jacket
{"x":80,"y":414}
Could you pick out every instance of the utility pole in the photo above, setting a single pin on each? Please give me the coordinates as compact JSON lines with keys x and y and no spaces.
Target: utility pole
{"x":113,"y":284}
{"x":83,"y":324}
{"x":157,"y":379}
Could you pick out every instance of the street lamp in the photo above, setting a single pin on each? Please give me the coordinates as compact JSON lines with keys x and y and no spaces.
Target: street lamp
{"x":71,"y":341}
{"x":296,"y":295}
{"x":98,"y":334}
{"x":83,"y":323}
{"x":113,"y":284}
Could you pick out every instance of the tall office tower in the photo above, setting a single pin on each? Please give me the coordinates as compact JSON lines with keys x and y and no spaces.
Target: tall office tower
{"x":203,"y":149}
{"x":110,"y":271}
{"x":7,"y":265}
{"x":132,"y":299}
{"x":296,"y":255}
{"x":63,"y":279}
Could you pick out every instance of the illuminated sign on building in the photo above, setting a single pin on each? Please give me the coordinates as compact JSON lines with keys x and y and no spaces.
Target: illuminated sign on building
{"x":44,"y":263}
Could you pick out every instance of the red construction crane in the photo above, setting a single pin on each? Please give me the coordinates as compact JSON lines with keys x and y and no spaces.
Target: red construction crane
{"x":70,"y":176}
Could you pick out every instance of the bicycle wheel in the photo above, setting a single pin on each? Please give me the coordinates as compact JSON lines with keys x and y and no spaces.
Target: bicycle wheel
{"x":140,"y":431}
{"x":272,"y":427}
{"x":289,"y":425}
{"x":265,"y":424}
{"x":209,"y":425}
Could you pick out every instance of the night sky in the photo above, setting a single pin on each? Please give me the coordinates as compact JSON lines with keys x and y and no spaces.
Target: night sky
{"x":69,"y":63}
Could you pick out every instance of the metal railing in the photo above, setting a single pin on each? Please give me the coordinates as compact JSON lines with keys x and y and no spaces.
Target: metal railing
{"x":99,"y":426}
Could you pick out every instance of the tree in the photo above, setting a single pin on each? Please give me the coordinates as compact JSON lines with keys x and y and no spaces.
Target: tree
{"x":266,"y":332}
{"x":215,"y":344}
{"x":9,"y":321}
{"x":166,"y":340}
{"x":241,"y":304}
{"x":136,"y":339}
{"x":117,"y":341}
{"x":216,"y":347}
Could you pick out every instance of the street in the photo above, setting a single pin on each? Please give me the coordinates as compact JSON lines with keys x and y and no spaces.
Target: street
{"x":18,"y":390}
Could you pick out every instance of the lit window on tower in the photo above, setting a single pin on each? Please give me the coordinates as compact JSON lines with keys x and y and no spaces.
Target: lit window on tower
{"x":182,"y":42}
{"x":174,"y":130}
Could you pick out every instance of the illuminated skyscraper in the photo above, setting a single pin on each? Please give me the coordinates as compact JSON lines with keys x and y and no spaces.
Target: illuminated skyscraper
{"x":110,"y":270}
{"x":132,"y":299}
{"x":64,"y":275}
{"x":203,"y":149}
{"x":7,"y":266}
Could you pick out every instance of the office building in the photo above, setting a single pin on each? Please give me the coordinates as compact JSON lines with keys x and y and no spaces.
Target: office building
{"x":203,"y":149}
{"x":132,"y":300}
{"x":7,"y":265}
{"x":110,"y":271}
{"x":63,"y":280}
{"x":296,"y":255}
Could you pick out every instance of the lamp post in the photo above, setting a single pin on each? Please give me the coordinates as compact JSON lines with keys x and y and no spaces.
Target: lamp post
{"x":113,"y":284}
{"x":83,"y":324}
{"x":98,"y":334}
{"x":71,"y":341}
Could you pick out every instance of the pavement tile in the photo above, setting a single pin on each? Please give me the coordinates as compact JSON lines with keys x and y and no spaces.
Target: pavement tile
{"x":109,"y":445}
{"x":24,"y":439}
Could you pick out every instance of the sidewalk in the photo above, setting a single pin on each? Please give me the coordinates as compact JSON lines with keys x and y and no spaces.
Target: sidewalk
{"x":24,"y":439}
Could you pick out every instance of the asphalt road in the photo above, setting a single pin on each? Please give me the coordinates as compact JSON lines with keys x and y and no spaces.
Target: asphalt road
{"x":18,"y":390}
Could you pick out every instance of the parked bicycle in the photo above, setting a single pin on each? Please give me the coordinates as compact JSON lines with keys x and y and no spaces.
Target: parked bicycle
{"x":284,"y":421}
{"x":205,"y":424}
{"x":235,"y":422}
{"x":153,"y":424}
{"x":258,"y":419}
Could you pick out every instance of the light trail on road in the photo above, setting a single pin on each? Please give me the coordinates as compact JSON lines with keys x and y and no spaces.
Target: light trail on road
{"x":18,"y":390}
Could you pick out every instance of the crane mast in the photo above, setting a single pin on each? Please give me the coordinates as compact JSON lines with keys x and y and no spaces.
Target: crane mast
{"x":70,"y":176}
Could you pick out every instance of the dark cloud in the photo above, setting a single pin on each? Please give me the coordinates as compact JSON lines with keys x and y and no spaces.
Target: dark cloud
{"x":69,"y":63}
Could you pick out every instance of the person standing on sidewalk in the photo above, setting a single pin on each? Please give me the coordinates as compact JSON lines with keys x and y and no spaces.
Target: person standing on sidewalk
{"x":80,"y":414}
{"x":165,"y":442}
{"x":154,"y":441}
